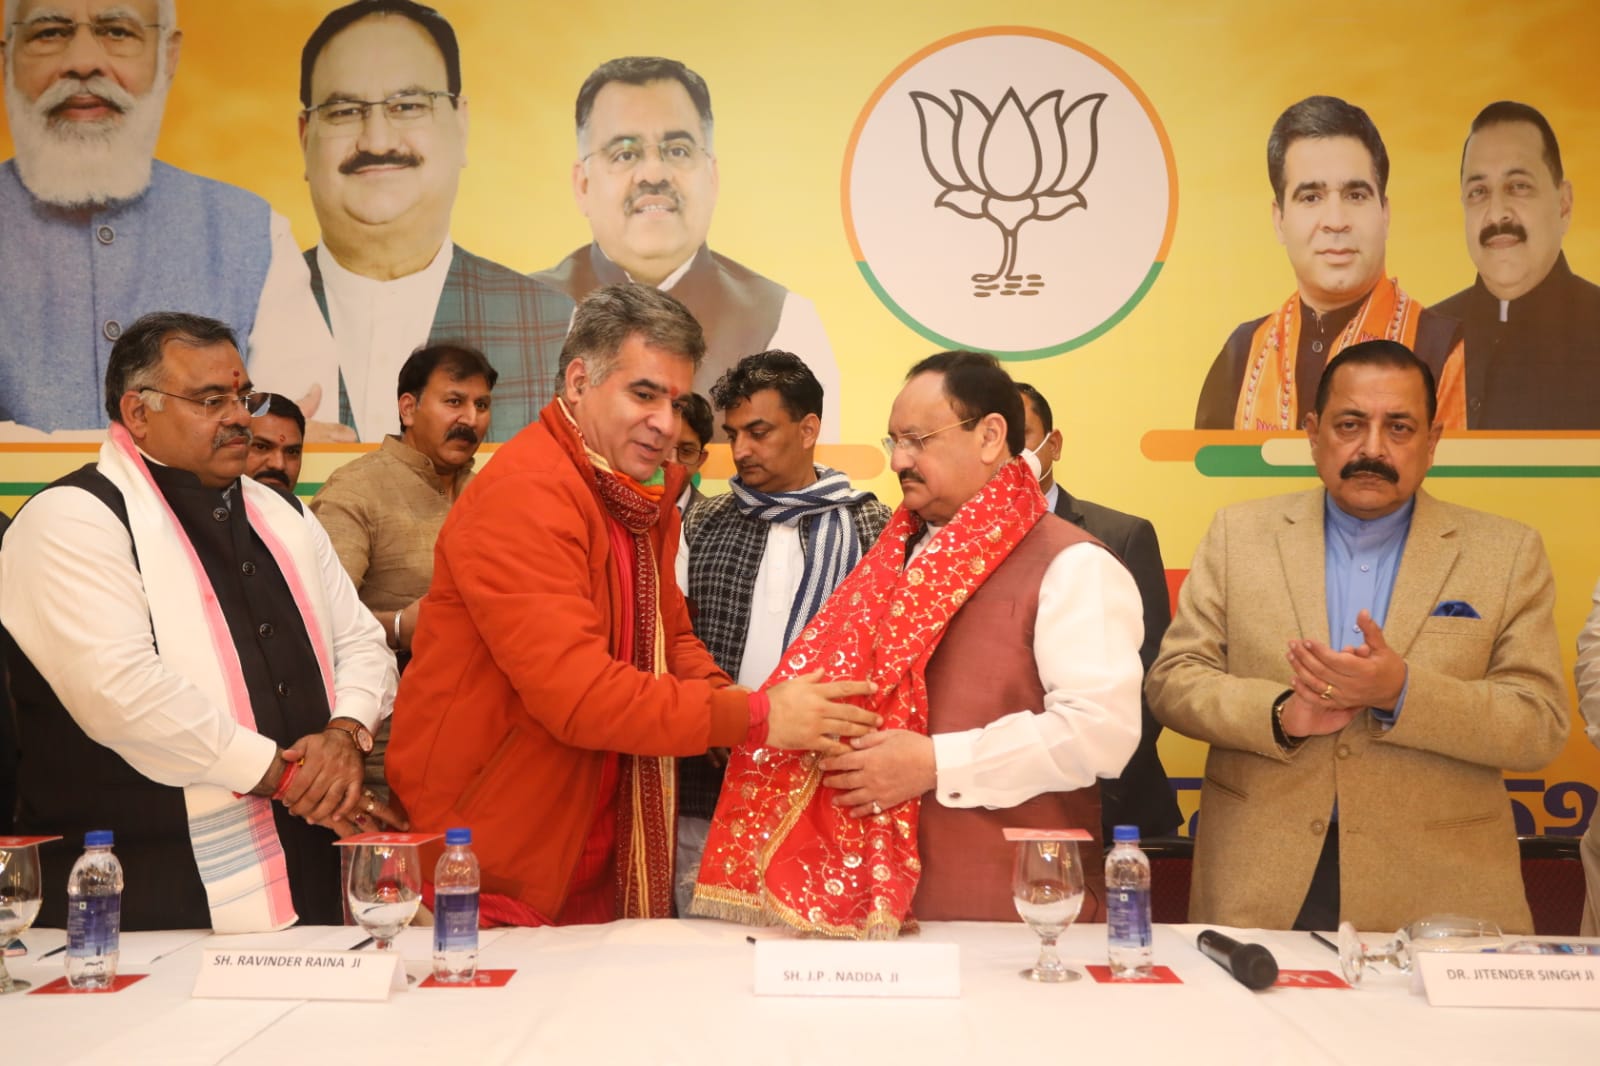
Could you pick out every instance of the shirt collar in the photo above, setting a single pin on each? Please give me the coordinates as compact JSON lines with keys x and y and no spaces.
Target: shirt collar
{"x":1349,"y":526}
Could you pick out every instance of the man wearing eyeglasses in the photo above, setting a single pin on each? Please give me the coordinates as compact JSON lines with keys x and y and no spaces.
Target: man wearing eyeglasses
{"x":1005,"y":645}
{"x":190,"y":651}
{"x":98,"y":232}
{"x":384,"y":132}
{"x":646,"y":179}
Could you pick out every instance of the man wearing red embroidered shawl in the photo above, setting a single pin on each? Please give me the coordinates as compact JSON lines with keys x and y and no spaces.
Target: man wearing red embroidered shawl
{"x":556,"y":675}
{"x":1330,"y":174}
{"x":1004,"y":642}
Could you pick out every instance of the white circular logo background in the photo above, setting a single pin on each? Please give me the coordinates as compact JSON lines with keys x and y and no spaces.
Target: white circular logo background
{"x":1010,"y":190}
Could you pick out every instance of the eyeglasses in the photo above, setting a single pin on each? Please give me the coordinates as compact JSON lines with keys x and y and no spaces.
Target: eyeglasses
{"x":219,"y":405}
{"x":48,"y":35}
{"x":626,"y":153}
{"x":403,"y":109}
{"x":687,"y":453}
{"x":913,"y":443}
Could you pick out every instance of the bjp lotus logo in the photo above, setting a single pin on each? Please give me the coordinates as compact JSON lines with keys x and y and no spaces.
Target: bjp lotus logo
{"x":1010,"y":165}
{"x":1023,"y":131}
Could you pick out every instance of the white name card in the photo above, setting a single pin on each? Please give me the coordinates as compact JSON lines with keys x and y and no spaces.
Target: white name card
{"x":1506,"y":980}
{"x":261,"y":973}
{"x":854,"y":968}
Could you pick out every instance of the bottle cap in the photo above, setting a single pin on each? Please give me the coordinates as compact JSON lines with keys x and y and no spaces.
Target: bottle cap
{"x":1125,"y":833}
{"x":97,"y":838}
{"x":455,"y":837}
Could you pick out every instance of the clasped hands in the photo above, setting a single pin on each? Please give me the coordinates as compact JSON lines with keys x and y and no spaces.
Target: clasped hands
{"x":872,"y":770}
{"x":1332,"y":687}
{"x":326,"y":789}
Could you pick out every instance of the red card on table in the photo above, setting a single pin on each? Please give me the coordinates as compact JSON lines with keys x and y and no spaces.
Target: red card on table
{"x":1015,"y":835}
{"x":59,"y":986}
{"x":1159,"y":975}
{"x":394,"y":839}
{"x":483,"y":979}
{"x":1309,"y":979}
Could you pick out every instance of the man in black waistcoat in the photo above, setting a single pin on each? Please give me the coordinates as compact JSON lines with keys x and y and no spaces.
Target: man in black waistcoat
{"x":187,"y":649}
{"x":646,"y":179}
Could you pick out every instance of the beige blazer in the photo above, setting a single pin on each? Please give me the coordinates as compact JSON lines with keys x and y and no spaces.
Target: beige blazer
{"x":1424,"y":822}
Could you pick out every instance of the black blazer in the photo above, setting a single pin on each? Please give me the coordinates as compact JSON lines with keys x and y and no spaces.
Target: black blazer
{"x":1142,"y":795}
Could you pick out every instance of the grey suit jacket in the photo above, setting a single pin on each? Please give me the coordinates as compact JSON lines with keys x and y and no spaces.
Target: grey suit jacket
{"x":1424,"y":823}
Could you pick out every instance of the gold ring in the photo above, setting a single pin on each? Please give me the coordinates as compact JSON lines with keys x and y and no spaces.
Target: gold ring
{"x":1327,"y":693}
{"x":875,"y":808}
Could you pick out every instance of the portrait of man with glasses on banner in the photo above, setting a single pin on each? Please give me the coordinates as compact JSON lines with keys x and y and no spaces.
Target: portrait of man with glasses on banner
{"x":646,"y":179}
{"x":98,"y":232}
{"x":384,"y":132}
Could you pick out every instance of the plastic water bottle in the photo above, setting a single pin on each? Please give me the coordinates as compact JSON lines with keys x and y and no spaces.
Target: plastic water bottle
{"x":1128,"y":889}
{"x":455,"y":910}
{"x":94,"y":913}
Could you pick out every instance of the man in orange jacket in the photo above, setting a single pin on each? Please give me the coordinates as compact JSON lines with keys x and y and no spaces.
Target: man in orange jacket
{"x":556,"y":675}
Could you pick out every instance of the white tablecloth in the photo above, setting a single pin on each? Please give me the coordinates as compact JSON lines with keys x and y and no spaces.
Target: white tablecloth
{"x":681,"y":992}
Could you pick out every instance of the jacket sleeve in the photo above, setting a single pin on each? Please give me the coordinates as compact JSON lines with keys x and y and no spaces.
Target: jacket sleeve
{"x":529,"y":562}
{"x":1189,"y":687}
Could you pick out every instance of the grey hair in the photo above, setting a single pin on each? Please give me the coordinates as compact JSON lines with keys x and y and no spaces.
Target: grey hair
{"x":608,"y":316}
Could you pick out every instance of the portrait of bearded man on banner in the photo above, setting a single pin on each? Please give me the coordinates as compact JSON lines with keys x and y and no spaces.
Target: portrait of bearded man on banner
{"x":98,"y":231}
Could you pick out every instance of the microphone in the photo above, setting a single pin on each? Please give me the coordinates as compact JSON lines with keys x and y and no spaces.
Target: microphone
{"x":1250,"y":964}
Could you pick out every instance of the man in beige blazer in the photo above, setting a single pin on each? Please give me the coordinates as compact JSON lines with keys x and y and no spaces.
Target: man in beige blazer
{"x":1360,"y":777}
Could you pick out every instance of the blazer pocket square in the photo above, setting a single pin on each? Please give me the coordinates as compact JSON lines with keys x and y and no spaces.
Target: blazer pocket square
{"x":1455,"y":609}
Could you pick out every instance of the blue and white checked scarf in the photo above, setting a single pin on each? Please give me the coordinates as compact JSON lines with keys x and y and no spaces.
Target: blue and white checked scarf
{"x":832,"y":547}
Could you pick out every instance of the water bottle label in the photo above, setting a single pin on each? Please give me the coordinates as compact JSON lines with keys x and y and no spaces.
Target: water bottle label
{"x":455,"y":921}
{"x":1129,"y":919}
{"x":94,"y":924}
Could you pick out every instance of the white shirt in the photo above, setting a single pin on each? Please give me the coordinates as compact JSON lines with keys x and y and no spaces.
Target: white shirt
{"x":1086,"y":642}
{"x":72,"y":598}
{"x":777,"y":586}
{"x":376,"y":326}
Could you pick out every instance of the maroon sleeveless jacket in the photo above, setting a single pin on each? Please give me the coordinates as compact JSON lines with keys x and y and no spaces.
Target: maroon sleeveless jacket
{"x":984,"y":669}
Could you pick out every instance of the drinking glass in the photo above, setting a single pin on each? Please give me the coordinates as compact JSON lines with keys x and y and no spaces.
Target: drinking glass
{"x":19,"y":902}
{"x":1047,"y":887}
{"x":1437,"y":932}
{"x":384,"y":889}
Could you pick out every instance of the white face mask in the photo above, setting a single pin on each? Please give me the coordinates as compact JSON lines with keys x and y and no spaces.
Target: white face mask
{"x":1037,"y":461}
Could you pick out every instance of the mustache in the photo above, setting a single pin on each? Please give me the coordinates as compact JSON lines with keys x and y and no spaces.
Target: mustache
{"x":53,"y":98}
{"x":460,"y":432}
{"x":908,"y":477}
{"x":363,"y":159}
{"x":281,"y":477}
{"x":1370,"y":466}
{"x":226,"y":435}
{"x":652,"y":188}
{"x":1502,"y":229}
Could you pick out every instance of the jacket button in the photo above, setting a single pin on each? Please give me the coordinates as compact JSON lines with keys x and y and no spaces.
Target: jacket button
{"x":249,"y":569}
{"x":283,"y":688}
{"x":220,"y":514}
{"x":112,"y":329}
{"x":105,"y":234}
{"x":265,"y":629}
{"x":1319,"y":827}
{"x":1344,"y":751}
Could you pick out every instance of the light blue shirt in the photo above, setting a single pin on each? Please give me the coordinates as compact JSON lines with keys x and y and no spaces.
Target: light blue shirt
{"x":1360,"y":563}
